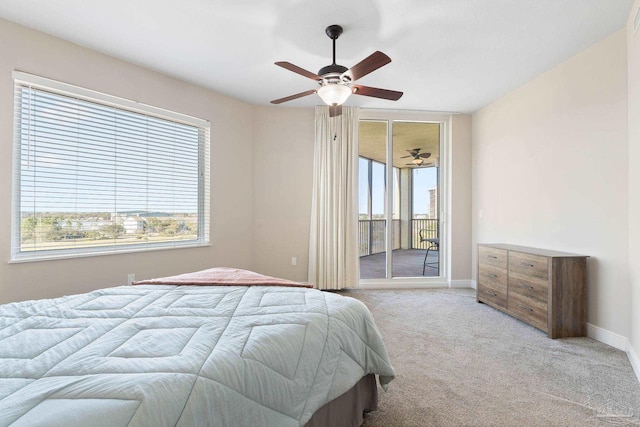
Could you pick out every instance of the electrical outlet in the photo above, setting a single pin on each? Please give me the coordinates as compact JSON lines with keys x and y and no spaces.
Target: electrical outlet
{"x":294,"y":261}
{"x":131,"y":277}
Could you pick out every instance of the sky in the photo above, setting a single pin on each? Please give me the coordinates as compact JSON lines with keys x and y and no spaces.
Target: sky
{"x":424,"y":179}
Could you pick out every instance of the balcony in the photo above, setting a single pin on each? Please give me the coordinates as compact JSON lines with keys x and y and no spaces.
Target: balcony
{"x":408,"y":256}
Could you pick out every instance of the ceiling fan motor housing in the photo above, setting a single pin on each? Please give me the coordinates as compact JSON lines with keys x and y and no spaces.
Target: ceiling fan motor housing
{"x":332,"y":69}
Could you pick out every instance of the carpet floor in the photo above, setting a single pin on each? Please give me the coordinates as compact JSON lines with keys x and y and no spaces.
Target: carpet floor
{"x":462,"y":363}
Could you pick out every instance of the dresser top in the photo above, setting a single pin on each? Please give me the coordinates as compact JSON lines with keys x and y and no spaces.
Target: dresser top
{"x":533,"y":251}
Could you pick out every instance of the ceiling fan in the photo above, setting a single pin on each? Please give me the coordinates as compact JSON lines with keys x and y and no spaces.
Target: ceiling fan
{"x":418,"y":157}
{"x":336,"y":81}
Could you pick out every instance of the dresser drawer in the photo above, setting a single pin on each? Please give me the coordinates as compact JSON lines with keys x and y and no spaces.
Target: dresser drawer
{"x":527,"y":265}
{"x":492,"y":285}
{"x":492,"y":257}
{"x":529,"y":310}
{"x":529,"y":287}
{"x":492,"y":296}
{"x":492,"y":276}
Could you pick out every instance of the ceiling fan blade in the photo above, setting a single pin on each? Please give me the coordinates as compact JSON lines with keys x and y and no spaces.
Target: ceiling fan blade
{"x":289,"y":66}
{"x":292,"y":97}
{"x":375,"y":92}
{"x":371,"y":63}
{"x":335,"y":110}
{"x":425,"y":155}
{"x":405,"y":157}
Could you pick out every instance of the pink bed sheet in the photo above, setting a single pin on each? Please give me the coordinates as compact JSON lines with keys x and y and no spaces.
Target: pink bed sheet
{"x":222,"y":276}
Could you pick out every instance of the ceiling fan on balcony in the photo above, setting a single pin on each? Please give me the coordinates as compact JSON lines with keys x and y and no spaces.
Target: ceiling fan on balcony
{"x":418,"y":157}
{"x":337,"y":82}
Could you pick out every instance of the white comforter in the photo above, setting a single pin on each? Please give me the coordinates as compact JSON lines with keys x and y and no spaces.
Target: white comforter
{"x":183,"y":355}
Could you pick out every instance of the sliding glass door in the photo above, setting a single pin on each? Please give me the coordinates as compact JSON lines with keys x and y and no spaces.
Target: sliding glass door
{"x":399,"y":224}
{"x":372,"y":183}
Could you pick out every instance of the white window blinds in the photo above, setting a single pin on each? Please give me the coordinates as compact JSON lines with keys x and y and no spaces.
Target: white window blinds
{"x":93,"y":175}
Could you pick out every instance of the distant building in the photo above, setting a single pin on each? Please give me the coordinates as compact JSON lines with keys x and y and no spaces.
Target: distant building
{"x":433,"y":203}
{"x":93,"y":225}
{"x":134,"y":225}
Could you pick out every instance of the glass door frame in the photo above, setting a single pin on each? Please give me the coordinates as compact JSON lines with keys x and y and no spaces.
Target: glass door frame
{"x":444,"y":120}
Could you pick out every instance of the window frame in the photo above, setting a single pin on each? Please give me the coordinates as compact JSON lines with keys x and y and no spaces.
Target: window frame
{"x":22,"y":79}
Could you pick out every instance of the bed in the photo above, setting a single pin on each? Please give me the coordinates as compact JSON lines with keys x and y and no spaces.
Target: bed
{"x":199,"y":352}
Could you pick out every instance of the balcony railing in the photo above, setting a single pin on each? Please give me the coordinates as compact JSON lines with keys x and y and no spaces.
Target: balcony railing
{"x":431,"y":227}
{"x":371,"y":234}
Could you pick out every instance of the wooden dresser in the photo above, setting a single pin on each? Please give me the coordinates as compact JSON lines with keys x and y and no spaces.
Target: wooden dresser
{"x":546,"y":289}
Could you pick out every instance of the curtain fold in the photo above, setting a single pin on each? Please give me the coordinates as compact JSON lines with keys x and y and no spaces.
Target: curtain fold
{"x":333,"y":242}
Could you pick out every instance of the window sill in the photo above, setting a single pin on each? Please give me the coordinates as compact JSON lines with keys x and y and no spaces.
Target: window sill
{"x":71,"y":255}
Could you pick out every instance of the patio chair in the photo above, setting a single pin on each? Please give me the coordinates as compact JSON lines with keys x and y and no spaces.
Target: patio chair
{"x":433,"y":244}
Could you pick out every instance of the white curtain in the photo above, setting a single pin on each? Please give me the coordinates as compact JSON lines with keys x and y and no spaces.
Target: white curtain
{"x":333,"y":242}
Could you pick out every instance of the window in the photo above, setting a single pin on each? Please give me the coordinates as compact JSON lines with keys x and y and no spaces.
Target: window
{"x":96,"y":174}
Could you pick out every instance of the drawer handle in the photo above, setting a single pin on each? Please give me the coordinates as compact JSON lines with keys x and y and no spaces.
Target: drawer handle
{"x":492,"y":275}
{"x":525,"y":307}
{"x":523,"y":285}
{"x":492,"y":256}
{"x":493,"y":294}
{"x":526,"y":264}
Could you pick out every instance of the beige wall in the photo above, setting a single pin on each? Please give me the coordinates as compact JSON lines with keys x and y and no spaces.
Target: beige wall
{"x":460,"y":198}
{"x":231,"y":166}
{"x":550,"y":171}
{"x":633,"y":78}
{"x":283,"y":178}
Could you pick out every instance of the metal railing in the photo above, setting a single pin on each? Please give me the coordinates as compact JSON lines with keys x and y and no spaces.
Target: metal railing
{"x":431,"y":227}
{"x":371,"y":234}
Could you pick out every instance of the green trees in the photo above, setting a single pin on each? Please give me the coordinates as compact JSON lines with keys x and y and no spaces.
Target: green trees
{"x":28,"y":228}
{"x":65,"y":229}
{"x":164,"y":226}
{"x":56,"y":227}
{"x":41,"y":229}
{"x":112,"y":231}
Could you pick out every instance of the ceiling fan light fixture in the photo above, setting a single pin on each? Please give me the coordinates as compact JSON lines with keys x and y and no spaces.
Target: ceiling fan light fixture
{"x":418,"y":161}
{"x":334,"y":94}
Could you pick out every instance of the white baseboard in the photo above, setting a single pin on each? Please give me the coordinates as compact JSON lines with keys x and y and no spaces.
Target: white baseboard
{"x":617,"y":341}
{"x":634,"y":359}
{"x":457,"y":284}
{"x":607,"y":337}
{"x":405,"y":284}
{"x":474,"y":284}
{"x":408,"y":283}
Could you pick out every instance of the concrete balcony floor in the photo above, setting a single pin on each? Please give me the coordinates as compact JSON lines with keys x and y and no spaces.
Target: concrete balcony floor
{"x":406,"y":263}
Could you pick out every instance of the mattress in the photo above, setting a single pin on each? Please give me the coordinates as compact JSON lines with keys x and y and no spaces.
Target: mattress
{"x":164,"y":355}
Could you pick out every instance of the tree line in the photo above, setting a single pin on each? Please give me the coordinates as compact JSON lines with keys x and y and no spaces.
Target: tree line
{"x":48,"y":228}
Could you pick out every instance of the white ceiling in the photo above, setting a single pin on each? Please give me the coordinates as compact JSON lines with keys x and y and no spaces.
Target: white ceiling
{"x":448,"y":55}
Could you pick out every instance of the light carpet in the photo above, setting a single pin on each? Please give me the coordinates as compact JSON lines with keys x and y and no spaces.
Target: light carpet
{"x":462,"y":363}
